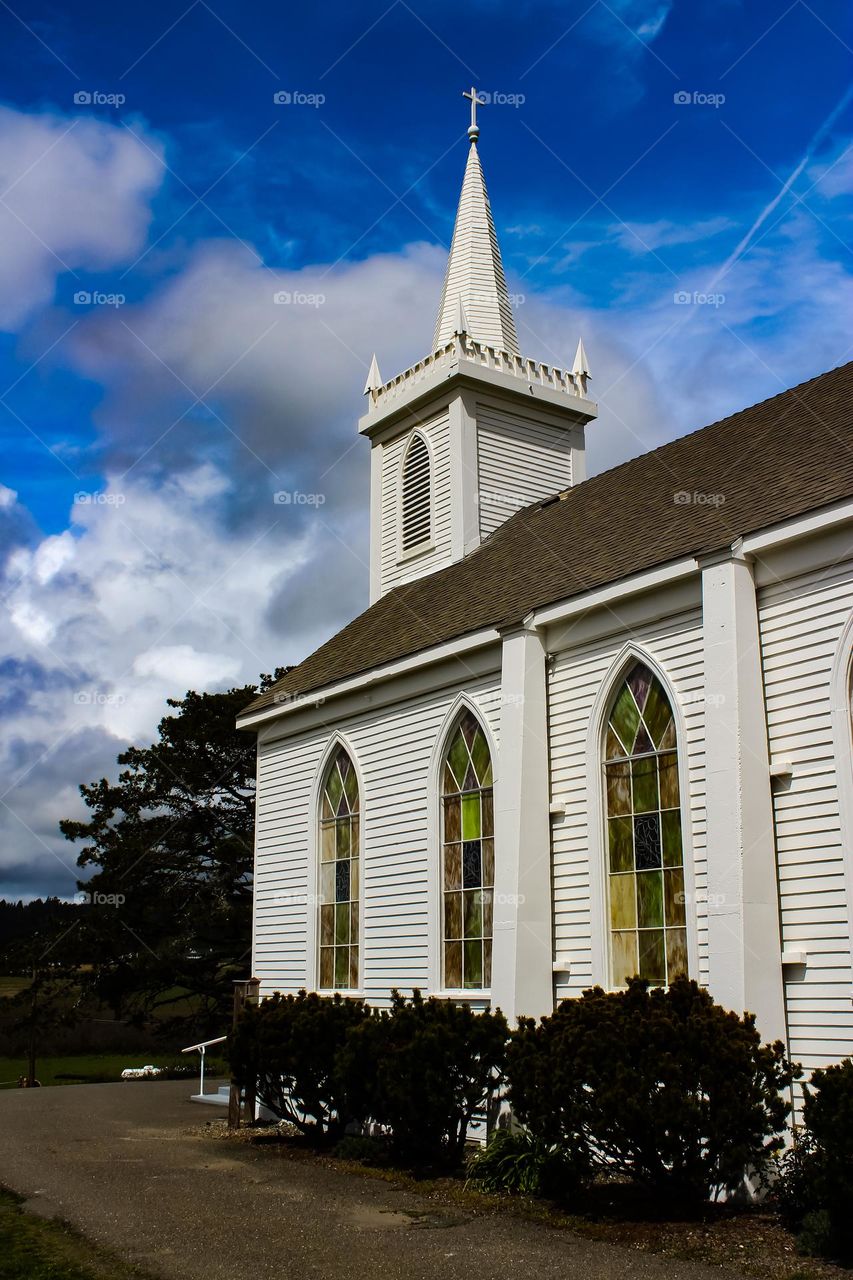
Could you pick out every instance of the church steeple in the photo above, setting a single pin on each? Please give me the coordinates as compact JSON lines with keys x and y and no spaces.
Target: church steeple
{"x":475,"y":275}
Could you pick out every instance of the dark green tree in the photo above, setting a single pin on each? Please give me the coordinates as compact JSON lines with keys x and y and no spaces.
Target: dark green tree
{"x":170,"y":842}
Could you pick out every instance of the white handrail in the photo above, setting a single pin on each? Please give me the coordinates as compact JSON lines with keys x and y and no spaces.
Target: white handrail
{"x":201,"y":1047}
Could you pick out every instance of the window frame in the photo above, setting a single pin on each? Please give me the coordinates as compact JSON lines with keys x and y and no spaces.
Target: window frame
{"x":426,"y":544}
{"x":314,"y":934}
{"x":597,"y":815}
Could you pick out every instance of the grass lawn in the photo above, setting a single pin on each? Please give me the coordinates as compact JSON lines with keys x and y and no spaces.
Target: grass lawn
{"x":100,"y":1068}
{"x":34,"y":1248}
{"x":11,"y":986}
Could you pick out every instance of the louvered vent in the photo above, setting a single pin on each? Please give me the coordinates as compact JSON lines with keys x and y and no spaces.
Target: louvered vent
{"x":416,"y":494}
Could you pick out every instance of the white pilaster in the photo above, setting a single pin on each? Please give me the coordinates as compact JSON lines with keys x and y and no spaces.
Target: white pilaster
{"x":522,"y":958}
{"x":744,"y":944}
{"x":375,"y":522}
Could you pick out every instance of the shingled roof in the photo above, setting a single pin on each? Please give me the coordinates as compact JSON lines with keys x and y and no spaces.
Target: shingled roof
{"x":781,"y":458}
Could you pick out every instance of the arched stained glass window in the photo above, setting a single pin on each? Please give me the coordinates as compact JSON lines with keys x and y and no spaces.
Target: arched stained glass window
{"x":339,"y":878}
{"x":648,"y":934}
{"x":468,"y":857}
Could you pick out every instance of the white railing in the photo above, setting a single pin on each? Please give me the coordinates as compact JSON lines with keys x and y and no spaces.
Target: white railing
{"x":201,"y":1049}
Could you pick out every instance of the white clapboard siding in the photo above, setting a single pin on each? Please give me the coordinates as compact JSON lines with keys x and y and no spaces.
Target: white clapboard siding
{"x":801,"y":622}
{"x":575,"y":680}
{"x":393,"y":570}
{"x":520,"y":461}
{"x":393,"y":750}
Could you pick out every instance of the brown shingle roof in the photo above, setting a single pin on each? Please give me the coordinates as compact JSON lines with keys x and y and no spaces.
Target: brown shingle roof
{"x":781,"y":458}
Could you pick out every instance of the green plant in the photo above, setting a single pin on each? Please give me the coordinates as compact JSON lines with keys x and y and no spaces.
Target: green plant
{"x":660,"y":1085}
{"x":518,"y":1162}
{"x":287,"y":1048}
{"x":814,"y":1191}
{"x":421,"y":1069}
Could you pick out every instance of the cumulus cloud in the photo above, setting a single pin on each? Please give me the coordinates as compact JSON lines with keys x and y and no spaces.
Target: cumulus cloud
{"x":76,"y":194}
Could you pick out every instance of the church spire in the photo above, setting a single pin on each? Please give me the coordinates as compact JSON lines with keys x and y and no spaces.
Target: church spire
{"x":475,"y":275}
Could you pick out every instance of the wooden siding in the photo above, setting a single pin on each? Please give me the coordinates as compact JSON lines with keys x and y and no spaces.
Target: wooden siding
{"x":801,"y":623}
{"x":393,"y":572}
{"x":575,"y":680}
{"x":393,"y":750}
{"x":519,"y":461}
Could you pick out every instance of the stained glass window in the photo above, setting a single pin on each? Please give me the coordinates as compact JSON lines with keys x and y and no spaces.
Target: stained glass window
{"x":648,"y":923}
{"x":339,"y":874}
{"x":468,"y":870}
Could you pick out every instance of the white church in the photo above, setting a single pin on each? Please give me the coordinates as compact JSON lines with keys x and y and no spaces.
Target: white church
{"x":587,"y":728}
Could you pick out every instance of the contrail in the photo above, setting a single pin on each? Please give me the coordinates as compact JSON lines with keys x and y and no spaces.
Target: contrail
{"x":784,"y":189}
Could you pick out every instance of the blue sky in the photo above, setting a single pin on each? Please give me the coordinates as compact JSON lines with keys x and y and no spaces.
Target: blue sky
{"x":634,"y":152}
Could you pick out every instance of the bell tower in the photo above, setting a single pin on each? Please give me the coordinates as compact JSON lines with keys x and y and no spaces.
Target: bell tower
{"x":473,"y":431}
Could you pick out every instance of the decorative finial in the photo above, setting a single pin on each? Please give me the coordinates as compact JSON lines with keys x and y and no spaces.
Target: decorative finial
{"x":461,"y":318}
{"x":374,"y":378}
{"x":580,"y":368}
{"x":476,"y":101}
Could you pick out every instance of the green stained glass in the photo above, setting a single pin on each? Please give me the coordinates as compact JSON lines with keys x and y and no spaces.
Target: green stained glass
{"x":453,"y":866}
{"x":487,"y":962}
{"x":471,"y":829}
{"x":480,"y":756}
{"x":342,"y":923}
{"x":473,"y":963}
{"x":453,"y":915}
{"x":620,"y":832}
{"x":618,"y":788}
{"x":353,"y":921}
{"x":625,"y":718}
{"x":457,"y":758}
{"x":645,"y":784}
{"x":488,"y":862}
{"x":676,"y":953}
{"x":674,"y":896}
{"x":353,"y":966}
{"x":334,"y":787}
{"x":487,"y":896}
{"x":326,"y":810}
{"x":452,"y":820}
{"x":327,"y":881}
{"x":668,"y":739}
{"x":353,"y":879}
{"x":613,"y":749}
{"x":453,"y":965}
{"x":327,"y":966}
{"x":670,"y":822}
{"x":668,"y":765}
{"x":623,"y":948}
{"x":355,"y":838}
{"x":327,"y":926}
{"x":488,"y":813}
{"x":472,"y":914}
{"x":652,"y":955}
{"x":657,"y":712}
{"x":341,"y":966}
{"x":649,"y":899}
{"x":351,"y":790}
{"x":623,"y":902}
{"x":343,"y":840}
{"x":449,"y":784}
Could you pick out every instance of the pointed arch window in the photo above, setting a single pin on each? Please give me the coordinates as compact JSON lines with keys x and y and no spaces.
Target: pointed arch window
{"x":339,"y":874}
{"x":468,"y":870}
{"x":648,"y":927}
{"x":417,"y":495}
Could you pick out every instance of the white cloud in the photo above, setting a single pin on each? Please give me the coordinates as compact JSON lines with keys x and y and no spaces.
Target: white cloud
{"x":76,"y":197}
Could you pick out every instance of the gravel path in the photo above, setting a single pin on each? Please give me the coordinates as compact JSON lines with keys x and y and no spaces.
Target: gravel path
{"x":117,"y":1162}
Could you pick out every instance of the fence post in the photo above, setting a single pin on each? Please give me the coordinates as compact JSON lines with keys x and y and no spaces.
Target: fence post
{"x":245,"y":992}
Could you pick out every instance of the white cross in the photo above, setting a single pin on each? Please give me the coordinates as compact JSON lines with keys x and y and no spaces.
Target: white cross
{"x":476,"y":101}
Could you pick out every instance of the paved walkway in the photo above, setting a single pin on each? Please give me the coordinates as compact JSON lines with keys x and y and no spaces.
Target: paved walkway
{"x":116,"y":1161}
